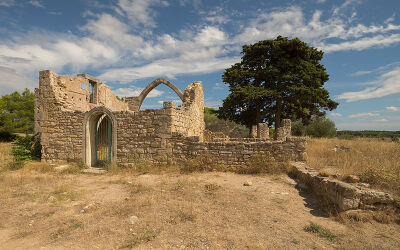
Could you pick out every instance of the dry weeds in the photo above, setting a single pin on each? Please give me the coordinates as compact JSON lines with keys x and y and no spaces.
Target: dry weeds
{"x":5,"y":153}
{"x":375,"y":161}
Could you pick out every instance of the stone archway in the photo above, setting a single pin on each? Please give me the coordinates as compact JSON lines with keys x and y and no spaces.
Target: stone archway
{"x":99,"y":134}
{"x":154,"y":84}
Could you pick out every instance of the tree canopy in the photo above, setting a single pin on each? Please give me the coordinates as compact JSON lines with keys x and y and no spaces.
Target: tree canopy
{"x":276,"y":79}
{"x":17,"y":112}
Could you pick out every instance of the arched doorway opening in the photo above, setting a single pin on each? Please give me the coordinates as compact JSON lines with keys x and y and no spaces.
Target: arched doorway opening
{"x":103,"y":141}
{"x":100,"y":138}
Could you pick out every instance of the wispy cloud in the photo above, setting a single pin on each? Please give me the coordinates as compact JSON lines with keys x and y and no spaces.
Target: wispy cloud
{"x":218,"y":86}
{"x":167,"y":67}
{"x":363,"y":115}
{"x":336,"y":114}
{"x":36,"y":3}
{"x":386,"y":84}
{"x":363,"y":43}
{"x":7,"y":3}
{"x":391,"y":108}
{"x":376,"y":70}
{"x":381,"y":120}
{"x":55,"y":13}
{"x":139,"y":11}
{"x":133,"y":91}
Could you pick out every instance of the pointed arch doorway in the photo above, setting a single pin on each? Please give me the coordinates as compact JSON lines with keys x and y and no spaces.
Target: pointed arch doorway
{"x":100,"y":138}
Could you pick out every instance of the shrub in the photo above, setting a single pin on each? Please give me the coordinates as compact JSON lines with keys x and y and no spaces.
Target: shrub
{"x":26,"y":148}
{"x":229,"y":128}
{"x":298,"y":128}
{"x":7,"y":136}
{"x":320,"y":231}
{"x":318,"y":127}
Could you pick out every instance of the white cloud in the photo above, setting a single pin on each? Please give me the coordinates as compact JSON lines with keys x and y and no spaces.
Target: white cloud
{"x":336,"y":114}
{"x":7,"y":3}
{"x":139,"y":12}
{"x":109,"y":29}
{"x":218,"y":86}
{"x":132,"y":91}
{"x":391,"y":108}
{"x":12,"y":81}
{"x":54,"y":13}
{"x":210,"y":36}
{"x":168,"y":67}
{"x":380,"y":69}
{"x":292,"y":22}
{"x":364,"y":43}
{"x":381,"y":120}
{"x":386,"y":84}
{"x":362,"y":115}
{"x":36,"y":3}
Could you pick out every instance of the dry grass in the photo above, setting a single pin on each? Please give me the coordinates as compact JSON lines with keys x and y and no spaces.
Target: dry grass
{"x":375,"y":161}
{"x":5,"y":153}
{"x":41,"y":207}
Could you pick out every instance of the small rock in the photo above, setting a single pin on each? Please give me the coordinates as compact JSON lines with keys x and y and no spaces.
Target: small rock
{"x":61,"y":167}
{"x":90,"y":205}
{"x":366,"y":185}
{"x":133,"y":219}
{"x":51,"y":198}
{"x":346,"y":148}
{"x":247,"y":183}
{"x":82,"y":210}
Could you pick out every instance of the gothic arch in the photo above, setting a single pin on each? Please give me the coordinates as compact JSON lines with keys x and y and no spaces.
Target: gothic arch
{"x":89,"y":128}
{"x":154,"y":84}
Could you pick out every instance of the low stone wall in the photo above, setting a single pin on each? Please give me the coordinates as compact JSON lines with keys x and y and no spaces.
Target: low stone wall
{"x":343,"y":196}
{"x":240,"y":151}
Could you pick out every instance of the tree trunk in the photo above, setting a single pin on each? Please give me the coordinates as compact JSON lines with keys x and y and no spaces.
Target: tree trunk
{"x":258,"y":114}
{"x":278,"y":116}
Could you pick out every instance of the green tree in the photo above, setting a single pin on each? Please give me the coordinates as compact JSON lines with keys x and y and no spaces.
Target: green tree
{"x":276,"y":79}
{"x":17,"y":112}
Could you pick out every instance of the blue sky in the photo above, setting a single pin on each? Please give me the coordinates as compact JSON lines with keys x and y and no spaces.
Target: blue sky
{"x":129,"y":43}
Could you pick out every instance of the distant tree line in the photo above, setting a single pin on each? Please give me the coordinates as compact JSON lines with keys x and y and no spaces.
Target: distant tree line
{"x":348,"y":134}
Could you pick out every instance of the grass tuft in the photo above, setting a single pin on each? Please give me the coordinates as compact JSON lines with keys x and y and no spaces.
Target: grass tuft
{"x":320,"y":231}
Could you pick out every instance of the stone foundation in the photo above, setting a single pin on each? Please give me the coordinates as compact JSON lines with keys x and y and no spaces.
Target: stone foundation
{"x":343,"y":196}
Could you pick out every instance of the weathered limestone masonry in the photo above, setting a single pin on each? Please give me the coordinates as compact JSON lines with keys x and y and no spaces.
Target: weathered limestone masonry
{"x":343,"y":196}
{"x":78,"y":118}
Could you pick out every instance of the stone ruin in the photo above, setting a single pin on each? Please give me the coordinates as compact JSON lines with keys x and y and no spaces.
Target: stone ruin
{"x":79,"y":119}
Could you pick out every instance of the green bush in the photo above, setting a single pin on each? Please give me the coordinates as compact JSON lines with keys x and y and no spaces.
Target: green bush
{"x":318,"y":127}
{"x":229,"y":128}
{"x":26,"y":148}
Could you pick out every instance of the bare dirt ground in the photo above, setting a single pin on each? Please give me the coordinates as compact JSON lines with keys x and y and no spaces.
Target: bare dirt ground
{"x":48,"y":210}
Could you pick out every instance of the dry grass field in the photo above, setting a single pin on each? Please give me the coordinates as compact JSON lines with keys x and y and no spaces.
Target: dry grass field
{"x":375,"y":161}
{"x":41,"y":208}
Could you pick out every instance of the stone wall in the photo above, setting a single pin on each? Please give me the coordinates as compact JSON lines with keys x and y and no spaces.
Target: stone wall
{"x":65,"y":117}
{"x":343,"y":196}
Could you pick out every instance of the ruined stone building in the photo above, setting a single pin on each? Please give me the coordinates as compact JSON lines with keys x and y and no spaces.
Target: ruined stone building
{"x":79,"y":119}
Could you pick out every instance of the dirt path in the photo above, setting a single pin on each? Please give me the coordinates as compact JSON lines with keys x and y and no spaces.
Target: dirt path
{"x":207,"y":211}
